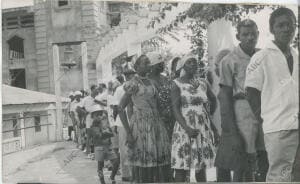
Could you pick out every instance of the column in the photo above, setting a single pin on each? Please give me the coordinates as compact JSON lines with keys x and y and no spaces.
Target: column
{"x":51,"y":110}
{"x":57,"y":90}
{"x":84,"y":60}
{"x":22,"y":126}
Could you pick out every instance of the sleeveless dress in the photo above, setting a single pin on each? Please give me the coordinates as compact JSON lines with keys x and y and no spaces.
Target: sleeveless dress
{"x":151,"y":152}
{"x":165,"y":104}
{"x":193,"y":153}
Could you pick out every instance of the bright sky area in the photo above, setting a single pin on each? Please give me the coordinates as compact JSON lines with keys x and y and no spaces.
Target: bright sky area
{"x":184,"y":45}
{"x":18,"y":3}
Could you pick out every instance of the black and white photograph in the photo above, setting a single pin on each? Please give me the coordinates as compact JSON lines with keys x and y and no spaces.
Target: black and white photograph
{"x":157,"y":91}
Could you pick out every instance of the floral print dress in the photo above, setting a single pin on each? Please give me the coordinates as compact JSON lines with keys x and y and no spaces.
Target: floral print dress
{"x":165,"y":104}
{"x":152,"y":147}
{"x":193,"y":153}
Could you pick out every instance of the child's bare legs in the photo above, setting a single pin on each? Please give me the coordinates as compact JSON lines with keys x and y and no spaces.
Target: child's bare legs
{"x":115,"y":164}
{"x":100,"y":171}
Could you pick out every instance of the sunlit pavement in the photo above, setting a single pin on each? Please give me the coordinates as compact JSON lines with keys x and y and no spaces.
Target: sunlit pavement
{"x":63,"y":164}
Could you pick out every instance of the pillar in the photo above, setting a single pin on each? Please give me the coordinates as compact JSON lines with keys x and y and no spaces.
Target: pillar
{"x":84,"y":60}
{"x":22,"y":126}
{"x":51,"y":110}
{"x":57,"y":90}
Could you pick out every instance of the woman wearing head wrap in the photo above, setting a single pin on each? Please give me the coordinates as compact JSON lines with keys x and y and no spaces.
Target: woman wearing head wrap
{"x":148,"y":141}
{"x":194,"y":135}
{"x":163,"y":86}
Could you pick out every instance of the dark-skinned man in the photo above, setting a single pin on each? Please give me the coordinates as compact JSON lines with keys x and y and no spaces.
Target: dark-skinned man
{"x":242,"y":134}
{"x":272,"y":81}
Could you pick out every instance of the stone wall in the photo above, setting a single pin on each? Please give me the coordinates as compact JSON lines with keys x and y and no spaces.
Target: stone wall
{"x":42,"y":51}
{"x":29,"y":61}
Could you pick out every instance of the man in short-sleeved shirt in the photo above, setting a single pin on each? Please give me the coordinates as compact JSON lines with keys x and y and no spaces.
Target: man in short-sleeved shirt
{"x":232,"y":78}
{"x":88,"y":104}
{"x":272,"y":82}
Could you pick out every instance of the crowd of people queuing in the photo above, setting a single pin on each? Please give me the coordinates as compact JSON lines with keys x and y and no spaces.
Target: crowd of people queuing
{"x":159,"y":128}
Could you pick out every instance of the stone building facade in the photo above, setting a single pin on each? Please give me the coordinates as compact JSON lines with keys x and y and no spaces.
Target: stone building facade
{"x":30,"y":32}
{"x":109,"y":31}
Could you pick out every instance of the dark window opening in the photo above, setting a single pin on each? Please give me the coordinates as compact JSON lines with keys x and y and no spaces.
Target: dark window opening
{"x":114,"y":7}
{"x":27,"y":21}
{"x":63,"y":3}
{"x":12,"y":22}
{"x":21,"y":21}
{"x":16,"y":132}
{"x":37,"y":123}
{"x":114,"y":14}
{"x":17,"y":77}
{"x":115,"y":19}
{"x":16,"y":48}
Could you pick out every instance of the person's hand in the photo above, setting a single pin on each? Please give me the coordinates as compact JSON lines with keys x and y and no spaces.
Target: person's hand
{"x":192,"y":133}
{"x":130,"y":140}
{"x":216,"y":138}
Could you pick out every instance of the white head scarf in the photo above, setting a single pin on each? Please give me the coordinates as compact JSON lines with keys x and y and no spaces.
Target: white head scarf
{"x":155,"y":57}
{"x":182,"y":61}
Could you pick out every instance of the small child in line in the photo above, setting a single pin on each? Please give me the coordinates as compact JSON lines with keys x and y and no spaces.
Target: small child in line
{"x":101,"y":134}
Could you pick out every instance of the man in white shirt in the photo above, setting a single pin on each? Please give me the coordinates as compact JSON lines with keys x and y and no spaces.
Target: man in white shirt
{"x":87,"y":106}
{"x":119,"y":93}
{"x":272,"y":81}
{"x":102,"y":96}
{"x":74,"y":104}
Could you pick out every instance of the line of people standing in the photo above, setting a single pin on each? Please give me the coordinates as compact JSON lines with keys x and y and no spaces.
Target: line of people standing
{"x":259,"y":99}
{"x":159,"y":128}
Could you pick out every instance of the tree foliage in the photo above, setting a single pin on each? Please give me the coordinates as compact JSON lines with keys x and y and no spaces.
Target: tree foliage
{"x":201,"y":15}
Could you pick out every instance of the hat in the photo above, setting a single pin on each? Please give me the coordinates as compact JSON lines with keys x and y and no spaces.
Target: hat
{"x":182,"y":61}
{"x":71,"y":93}
{"x":96,"y":108}
{"x":128,"y":69}
{"x":77,"y":93}
{"x":155,"y":58}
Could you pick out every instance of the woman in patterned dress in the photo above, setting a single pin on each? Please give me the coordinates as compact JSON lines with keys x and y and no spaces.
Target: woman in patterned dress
{"x":193,"y":140}
{"x":148,"y":141}
{"x":163,"y":86}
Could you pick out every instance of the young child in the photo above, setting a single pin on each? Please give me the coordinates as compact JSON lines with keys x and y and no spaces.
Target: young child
{"x":101,"y":134}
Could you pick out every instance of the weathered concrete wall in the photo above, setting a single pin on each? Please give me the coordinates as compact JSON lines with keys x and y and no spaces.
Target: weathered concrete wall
{"x":57,"y":24}
{"x":31,"y":136}
{"x":29,"y":61}
{"x":8,"y":125}
{"x":65,"y":21}
{"x":42,"y":51}
{"x":79,"y":21}
{"x":71,"y":79}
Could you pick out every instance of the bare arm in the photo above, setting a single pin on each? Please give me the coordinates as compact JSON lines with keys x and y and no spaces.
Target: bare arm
{"x":103,"y":103}
{"x":122,"y":113}
{"x":212,"y":99}
{"x":176,"y":107}
{"x":129,"y":109}
{"x":228,"y":123}
{"x":253,"y":96}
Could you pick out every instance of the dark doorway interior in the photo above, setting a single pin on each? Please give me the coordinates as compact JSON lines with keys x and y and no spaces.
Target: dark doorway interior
{"x":18,"y":78}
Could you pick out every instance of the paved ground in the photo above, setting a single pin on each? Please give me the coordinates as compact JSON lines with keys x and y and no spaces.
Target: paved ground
{"x":64,"y":163}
